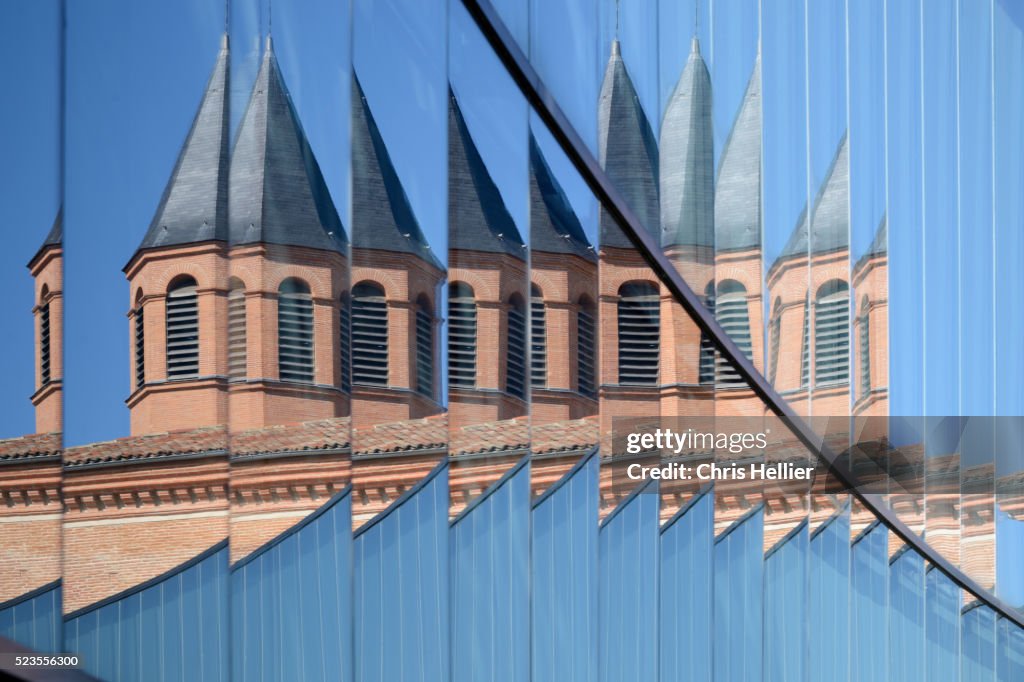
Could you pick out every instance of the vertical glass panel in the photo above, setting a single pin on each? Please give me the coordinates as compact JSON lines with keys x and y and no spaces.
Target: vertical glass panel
{"x":685,"y":604}
{"x":869,"y":603}
{"x":627,"y":608}
{"x":289,"y":394}
{"x":829,"y":599}
{"x":1008,"y":104}
{"x":942,"y":627}
{"x":489,"y":408}
{"x":32,"y":357}
{"x":1009,"y":650}
{"x":740,"y":600}
{"x":785,"y":607}
{"x":147,"y":165}
{"x":399,"y":133}
{"x":906,"y":615}
{"x":978,"y":654}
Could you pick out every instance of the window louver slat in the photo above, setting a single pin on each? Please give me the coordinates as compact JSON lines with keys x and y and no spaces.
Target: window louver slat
{"x":832,"y":336}
{"x":462,"y":342}
{"x":538,"y":344}
{"x":639,"y":320}
{"x":369,"y":337}
{"x":44,"y":344}
{"x":295,"y":336}
{"x":424,"y":351}
{"x":865,"y":353}
{"x":732,"y":313}
{"x":140,"y":347}
{"x":585,"y":358}
{"x":345,"y":344}
{"x":182,"y":332}
{"x":805,"y":349}
{"x":515,"y":359}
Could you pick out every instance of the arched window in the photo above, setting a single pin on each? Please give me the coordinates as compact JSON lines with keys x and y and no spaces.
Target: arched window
{"x":44,"y":337}
{"x":345,"y":342}
{"x":182,"y":329}
{"x":706,"y":363}
{"x":294,"y":331}
{"x":140,"y":341}
{"x":538,"y":339}
{"x":424,"y":347}
{"x":774,"y":338}
{"x":832,"y":333}
{"x":639,"y":332}
{"x":369,"y":335}
{"x":732,"y":313}
{"x":236,"y":330}
{"x":864,"y":333}
{"x":586,"y":350}
{"x":461,"y":336}
{"x":515,"y":356}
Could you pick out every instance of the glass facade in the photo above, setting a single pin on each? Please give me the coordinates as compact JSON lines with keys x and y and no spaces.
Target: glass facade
{"x":394,"y":282}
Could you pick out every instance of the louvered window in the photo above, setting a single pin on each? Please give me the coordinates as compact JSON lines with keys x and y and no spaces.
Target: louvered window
{"x":140,"y":346}
{"x":461,"y":336}
{"x":345,"y":343}
{"x":733,"y":315}
{"x":424,"y":348}
{"x":706,"y":362}
{"x":805,"y":348}
{"x":294,"y":331}
{"x":183,"y":330}
{"x":369,"y":336}
{"x":515,"y":357}
{"x":538,"y":340}
{"x":585,"y":353}
{"x":774,"y":337}
{"x":236,"y":333}
{"x":832,"y":334}
{"x":639,"y":334}
{"x":44,"y":344}
{"x":865,"y":348}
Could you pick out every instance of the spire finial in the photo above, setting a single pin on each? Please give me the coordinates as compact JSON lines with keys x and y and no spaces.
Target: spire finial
{"x":227,"y":17}
{"x":616,"y":19}
{"x":270,"y":18}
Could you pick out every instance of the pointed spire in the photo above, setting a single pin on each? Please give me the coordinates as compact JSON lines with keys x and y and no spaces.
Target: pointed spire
{"x":687,"y":162}
{"x":55,"y":238}
{"x":738,"y":186}
{"x":830,"y":224}
{"x":627,"y":150}
{"x":278,"y":194}
{"x":477,"y":217}
{"x":194,"y":204}
{"x":382,"y":216}
{"x":554,"y":227}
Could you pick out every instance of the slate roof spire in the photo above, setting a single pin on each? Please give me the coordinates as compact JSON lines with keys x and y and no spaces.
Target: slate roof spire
{"x":738,"y":185}
{"x":627,"y":150}
{"x":477,"y":217}
{"x":382,"y":217}
{"x":277,"y":193}
{"x":554,"y":227}
{"x":194,"y":206}
{"x":687,"y":162}
{"x":830,"y":213}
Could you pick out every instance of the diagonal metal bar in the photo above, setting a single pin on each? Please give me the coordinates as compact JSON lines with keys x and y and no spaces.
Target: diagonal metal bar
{"x":543,"y":103}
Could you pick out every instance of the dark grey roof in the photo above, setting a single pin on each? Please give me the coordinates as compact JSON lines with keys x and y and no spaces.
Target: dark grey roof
{"x":687,"y":162}
{"x":382,"y":217}
{"x":477,"y":217}
{"x":54,"y":238}
{"x":277,"y":192}
{"x":554,"y":227}
{"x":194,"y":206}
{"x":627,"y":151}
{"x":738,"y":187}
{"x":830,"y":217}
{"x":880,"y":244}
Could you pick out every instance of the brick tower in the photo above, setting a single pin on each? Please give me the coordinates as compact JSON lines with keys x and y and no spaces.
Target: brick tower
{"x":489,"y":290}
{"x":396,"y":282}
{"x":47,"y":268}
{"x":286,"y":348}
{"x":178,"y":282}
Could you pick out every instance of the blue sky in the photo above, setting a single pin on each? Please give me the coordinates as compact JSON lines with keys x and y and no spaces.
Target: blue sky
{"x":29,"y":188}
